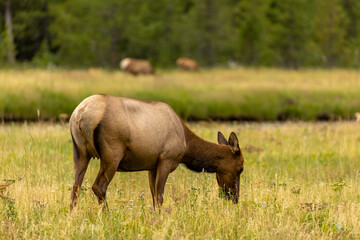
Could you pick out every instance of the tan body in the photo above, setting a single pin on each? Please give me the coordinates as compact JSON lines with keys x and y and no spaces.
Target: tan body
{"x":187,"y":64}
{"x":357,"y":117}
{"x":136,"y":66}
{"x":132,"y":135}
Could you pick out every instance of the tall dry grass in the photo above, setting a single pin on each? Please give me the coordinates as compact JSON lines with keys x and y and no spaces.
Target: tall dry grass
{"x":301,"y":181}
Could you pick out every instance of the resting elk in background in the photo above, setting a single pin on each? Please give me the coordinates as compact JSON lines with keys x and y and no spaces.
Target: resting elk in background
{"x":132,"y":135}
{"x":187,"y":64}
{"x":136,"y":66}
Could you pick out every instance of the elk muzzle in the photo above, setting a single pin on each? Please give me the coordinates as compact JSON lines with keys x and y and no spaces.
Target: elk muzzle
{"x":229,"y":186}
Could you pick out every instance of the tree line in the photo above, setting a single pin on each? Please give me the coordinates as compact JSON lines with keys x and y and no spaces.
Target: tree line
{"x":98,"y":33}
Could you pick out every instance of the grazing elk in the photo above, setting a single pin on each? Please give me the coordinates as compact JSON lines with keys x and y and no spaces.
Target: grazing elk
{"x":187,"y":64}
{"x":136,"y":66}
{"x":357,"y":117}
{"x":131,"y":135}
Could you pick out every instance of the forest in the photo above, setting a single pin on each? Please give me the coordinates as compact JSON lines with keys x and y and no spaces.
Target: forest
{"x":288,"y":34}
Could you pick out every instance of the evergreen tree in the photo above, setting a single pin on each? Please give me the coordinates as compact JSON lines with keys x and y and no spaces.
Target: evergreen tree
{"x":9,"y":39}
{"x":253,"y":31}
{"x":210,"y":33}
{"x":292,"y":26}
{"x":352,"y":48}
{"x":331,"y":24}
{"x":89,"y":33}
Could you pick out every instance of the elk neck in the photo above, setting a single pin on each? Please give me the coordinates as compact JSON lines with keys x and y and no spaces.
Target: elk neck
{"x":202,"y":155}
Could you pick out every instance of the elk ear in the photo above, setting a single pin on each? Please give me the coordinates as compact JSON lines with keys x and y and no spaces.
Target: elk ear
{"x":234,"y":143}
{"x":222,"y":139}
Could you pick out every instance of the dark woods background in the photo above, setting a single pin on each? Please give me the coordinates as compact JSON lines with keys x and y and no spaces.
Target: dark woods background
{"x":83,"y":33}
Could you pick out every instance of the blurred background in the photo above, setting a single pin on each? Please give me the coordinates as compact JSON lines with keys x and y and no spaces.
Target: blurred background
{"x":259,"y":60}
{"x":279,"y":33}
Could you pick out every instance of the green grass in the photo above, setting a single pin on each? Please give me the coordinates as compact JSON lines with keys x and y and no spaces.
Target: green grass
{"x":301,"y":181}
{"x":253,"y":94}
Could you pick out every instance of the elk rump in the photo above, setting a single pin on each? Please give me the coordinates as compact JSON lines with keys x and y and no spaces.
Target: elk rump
{"x":136,"y":66}
{"x":187,"y":64}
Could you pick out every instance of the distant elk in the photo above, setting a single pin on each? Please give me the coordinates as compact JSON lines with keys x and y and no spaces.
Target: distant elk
{"x":131,"y":135}
{"x":357,"y":117}
{"x":187,"y":64}
{"x":136,"y":66}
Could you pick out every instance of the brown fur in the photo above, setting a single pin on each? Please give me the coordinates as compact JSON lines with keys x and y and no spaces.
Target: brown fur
{"x":187,"y":64}
{"x":132,"y":135}
{"x":136,"y":66}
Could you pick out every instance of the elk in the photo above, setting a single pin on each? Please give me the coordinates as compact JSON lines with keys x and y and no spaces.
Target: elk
{"x":357,"y":117}
{"x":132,"y":135}
{"x":136,"y":66}
{"x":187,"y":64}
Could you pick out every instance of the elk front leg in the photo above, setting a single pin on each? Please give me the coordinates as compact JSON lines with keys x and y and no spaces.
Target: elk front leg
{"x":152,"y":179}
{"x":162,"y":173}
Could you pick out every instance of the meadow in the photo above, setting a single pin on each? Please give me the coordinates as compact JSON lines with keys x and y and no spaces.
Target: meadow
{"x":258,"y":94}
{"x":300,"y":181}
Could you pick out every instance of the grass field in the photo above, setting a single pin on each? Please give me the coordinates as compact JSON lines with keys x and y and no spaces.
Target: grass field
{"x":301,"y":181}
{"x":251,"y":94}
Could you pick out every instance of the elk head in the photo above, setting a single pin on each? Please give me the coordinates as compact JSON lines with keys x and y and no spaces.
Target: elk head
{"x":230,"y":168}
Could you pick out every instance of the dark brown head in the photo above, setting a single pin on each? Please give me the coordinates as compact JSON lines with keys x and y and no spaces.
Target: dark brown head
{"x":230,"y":168}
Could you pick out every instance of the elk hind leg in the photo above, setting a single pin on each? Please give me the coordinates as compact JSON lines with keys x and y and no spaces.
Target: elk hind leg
{"x":110,"y":160}
{"x":81,"y":161}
